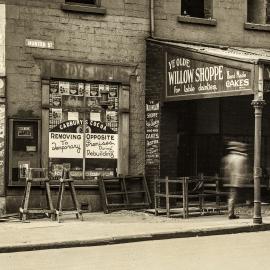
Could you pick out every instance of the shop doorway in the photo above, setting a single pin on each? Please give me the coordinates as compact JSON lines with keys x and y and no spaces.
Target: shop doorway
{"x":203,"y":128}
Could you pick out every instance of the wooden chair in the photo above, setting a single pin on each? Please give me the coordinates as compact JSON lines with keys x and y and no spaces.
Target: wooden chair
{"x":35,"y":175}
{"x":66,"y":179}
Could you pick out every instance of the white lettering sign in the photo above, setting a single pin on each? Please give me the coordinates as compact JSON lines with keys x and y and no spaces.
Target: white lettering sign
{"x":100,"y":145}
{"x":65,"y":145}
{"x":43,"y":44}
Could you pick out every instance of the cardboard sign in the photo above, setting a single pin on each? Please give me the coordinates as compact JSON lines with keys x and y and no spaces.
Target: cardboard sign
{"x":65,"y":145}
{"x":101,"y":145}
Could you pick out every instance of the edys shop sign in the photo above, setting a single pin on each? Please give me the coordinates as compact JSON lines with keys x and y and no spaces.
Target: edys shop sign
{"x":191,"y":78}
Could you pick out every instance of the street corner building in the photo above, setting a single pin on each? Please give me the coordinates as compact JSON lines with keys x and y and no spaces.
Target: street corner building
{"x":72,"y":94}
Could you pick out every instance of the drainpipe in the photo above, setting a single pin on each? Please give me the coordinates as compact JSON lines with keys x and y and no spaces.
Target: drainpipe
{"x":152,"y":20}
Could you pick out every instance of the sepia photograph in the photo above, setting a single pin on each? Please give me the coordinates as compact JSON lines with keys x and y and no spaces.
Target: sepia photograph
{"x":134,"y":134}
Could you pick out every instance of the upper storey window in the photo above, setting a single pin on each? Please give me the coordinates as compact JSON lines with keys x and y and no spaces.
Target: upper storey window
{"x":87,"y":6}
{"x":258,"y":15}
{"x":258,"y":11}
{"x":89,"y":2}
{"x":197,"y":12}
{"x":196,"y":8}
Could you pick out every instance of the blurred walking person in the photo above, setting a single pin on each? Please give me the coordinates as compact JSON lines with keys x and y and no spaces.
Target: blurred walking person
{"x":235,"y":166}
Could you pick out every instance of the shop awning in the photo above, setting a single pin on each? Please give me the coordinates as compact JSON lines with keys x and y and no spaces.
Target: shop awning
{"x":195,"y":71}
{"x":244,"y":54}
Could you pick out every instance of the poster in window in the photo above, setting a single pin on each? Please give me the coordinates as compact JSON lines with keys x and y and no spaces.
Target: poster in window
{"x":23,"y":166}
{"x":57,"y":170}
{"x":73,"y":90}
{"x":87,"y":89}
{"x":101,"y":88}
{"x":95,"y":116}
{"x":94,"y":90}
{"x":54,"y":87}
{"x":57,"y":114}
{"x":64,"y":88}
{"x":111,"y":105}
{"x":24,"y":132}
{"x":113,"y":92}
{"x":56,"y":100}
{"x":80,"y":89}
{"x":73,"y":116}
{"x":111,"y":116}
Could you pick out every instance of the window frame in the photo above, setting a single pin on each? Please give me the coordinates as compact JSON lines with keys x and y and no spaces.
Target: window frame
{"x":70,"y":6}
{"x":83,"y":110}
{"x":77,"y":2}
{"x":206,"y":20}
{"x":258,"y":19}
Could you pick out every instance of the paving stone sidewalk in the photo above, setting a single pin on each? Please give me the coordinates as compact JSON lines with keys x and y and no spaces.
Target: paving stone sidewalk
{"x":118,"y":227}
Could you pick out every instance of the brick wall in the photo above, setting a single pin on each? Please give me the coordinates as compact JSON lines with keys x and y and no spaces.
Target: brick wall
{"x":153,"y":89}
{"x":117,"y":37}
{"x":230,"y":15}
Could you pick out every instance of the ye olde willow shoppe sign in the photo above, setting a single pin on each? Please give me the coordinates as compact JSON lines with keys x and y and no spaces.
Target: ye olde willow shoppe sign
{"x":190,"y":78}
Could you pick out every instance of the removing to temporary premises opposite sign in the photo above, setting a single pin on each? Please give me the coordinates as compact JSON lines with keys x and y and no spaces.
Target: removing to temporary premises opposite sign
{"x":189,"y":77}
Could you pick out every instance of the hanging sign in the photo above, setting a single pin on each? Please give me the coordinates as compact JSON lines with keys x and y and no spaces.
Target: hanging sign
{"x":187,"y":77}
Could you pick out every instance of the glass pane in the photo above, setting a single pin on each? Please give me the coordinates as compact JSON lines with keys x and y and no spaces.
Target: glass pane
{"x":83,"y":129}
{"x":101,"y":141}
{"x":66,"y":129}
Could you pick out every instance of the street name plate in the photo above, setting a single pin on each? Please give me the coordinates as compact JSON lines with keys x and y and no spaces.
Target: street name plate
{"x":42,"y":44}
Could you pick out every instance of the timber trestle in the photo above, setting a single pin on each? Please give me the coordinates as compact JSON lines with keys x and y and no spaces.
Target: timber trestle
{"x":36,"y":175}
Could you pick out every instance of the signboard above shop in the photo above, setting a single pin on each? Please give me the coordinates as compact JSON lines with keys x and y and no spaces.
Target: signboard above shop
{"x":188,"y":78}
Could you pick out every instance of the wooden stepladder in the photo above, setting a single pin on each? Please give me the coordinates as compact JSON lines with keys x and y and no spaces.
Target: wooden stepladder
{"x":35,"y":175}
{"x":66,"y":179}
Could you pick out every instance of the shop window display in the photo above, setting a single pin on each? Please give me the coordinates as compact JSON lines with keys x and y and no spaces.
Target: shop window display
{"x":83,"y":132}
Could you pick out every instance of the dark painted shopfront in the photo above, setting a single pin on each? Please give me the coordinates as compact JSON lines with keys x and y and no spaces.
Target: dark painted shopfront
{"x":198,"y":99}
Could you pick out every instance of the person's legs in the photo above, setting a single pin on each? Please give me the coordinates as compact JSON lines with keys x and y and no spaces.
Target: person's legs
{"x":231,"y":202}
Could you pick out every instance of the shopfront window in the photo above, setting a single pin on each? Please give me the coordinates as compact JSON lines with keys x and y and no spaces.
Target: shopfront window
{"x":83,"y":129}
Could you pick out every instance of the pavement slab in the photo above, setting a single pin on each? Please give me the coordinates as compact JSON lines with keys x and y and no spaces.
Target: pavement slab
{"x":115,"y":228}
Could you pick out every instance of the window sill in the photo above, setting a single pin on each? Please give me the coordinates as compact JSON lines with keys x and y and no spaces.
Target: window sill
{"x":258,"y":27}
{"x":84,"y":8}
{"x":194,"y":20}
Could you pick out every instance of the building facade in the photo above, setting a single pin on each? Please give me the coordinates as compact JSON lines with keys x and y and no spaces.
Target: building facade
{"x":106,"y":87}
{"x":74,"y":93}
{"x":207,"y":82}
